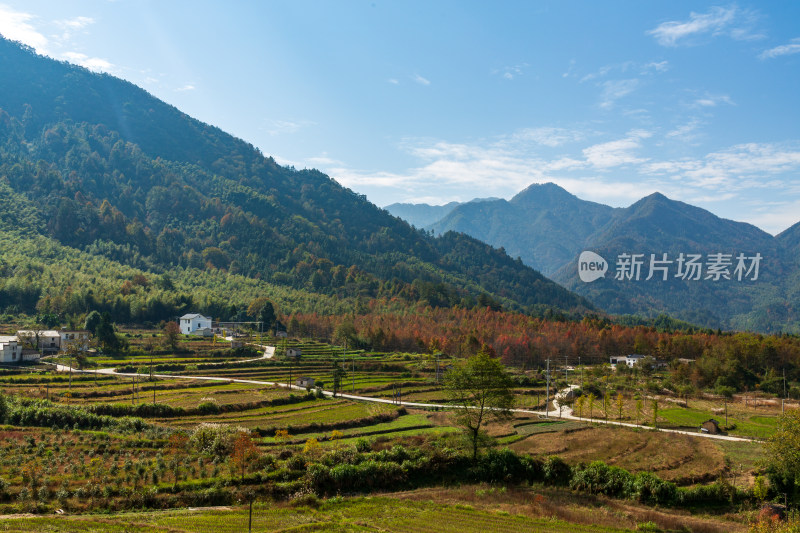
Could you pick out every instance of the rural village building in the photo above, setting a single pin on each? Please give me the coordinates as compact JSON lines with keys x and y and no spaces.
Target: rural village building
{"x":294,"y":352}
{"x":45,"y":341}
{"x":30,"y":344}
{"x":305,"y":382}
{"x":194,"y":322}
{"x":10,"y":351}
{"x":79,"y":337}
{"x":629,"y":360}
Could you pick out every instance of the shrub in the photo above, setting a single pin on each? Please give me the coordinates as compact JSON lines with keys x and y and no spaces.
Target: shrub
{"x":649,"y":488}
{"x":598,"y":477}
{"x":208,"y":407}
{"x":556,"y":471}
{"x":216,"y":440}
{"x":363,"y":445}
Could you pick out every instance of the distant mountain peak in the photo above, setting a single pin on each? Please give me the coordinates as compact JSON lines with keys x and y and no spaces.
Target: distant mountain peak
{"x":543,"y":193}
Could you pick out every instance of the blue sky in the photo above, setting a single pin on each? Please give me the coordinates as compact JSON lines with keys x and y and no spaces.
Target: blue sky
{"x":439,"y":101}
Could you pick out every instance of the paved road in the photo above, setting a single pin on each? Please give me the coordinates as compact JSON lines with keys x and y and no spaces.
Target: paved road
{"x":555,"y":414}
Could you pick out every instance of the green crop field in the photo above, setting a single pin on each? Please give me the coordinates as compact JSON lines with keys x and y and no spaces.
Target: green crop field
{"x":361,"y":514}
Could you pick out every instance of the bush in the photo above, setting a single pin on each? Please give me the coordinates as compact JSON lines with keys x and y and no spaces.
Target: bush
{"x":649,"y":488}
{"x":500,"y":465}
{"x":208,"y":407}
{"x":598,"y":477}
{"x":718,"y":492}
{"x":216,"y":440}
{"x":556,"y":471}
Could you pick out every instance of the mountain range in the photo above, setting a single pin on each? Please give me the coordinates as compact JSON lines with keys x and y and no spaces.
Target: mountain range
{"x":548,"y":228}
{"x":112,"y":199}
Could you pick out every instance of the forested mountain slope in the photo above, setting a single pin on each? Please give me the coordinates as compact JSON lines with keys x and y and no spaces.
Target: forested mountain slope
{"x":99,"y":166}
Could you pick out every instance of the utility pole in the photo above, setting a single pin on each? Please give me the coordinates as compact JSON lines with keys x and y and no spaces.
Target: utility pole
{"x":354,"y":373}
{"x":565,"y":369}
{"x":547,"y":394}
{"x":250,"y":519}
{"x":437,"y":368}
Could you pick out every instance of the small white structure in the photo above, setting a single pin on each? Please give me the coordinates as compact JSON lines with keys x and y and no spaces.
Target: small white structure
{"x":192,"y":322}
{"x":628,"y":360}
{"x":293,"y":352}
{"x":305,"y":382}
{"x":10,"y":350}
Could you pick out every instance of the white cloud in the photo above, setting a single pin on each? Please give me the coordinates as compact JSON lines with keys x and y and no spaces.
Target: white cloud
{"x":283,"y":127}
{"x":547,"y":136}
{"x":16,"y":25}
{"x":751,"y":166}
{"x":783,"y":50}
{"x":77,"y":23}
{"x":613,"y":90}
{"x":511,"y":72}
{"x":658,"y":66}
{"x":187,"y":87}
{"x":603,"y":71}
{"x":616,"y":153}
{"x":92,"y":63}
{"x":393,"y":81}
{"x":419,"y":79}
{"x":729,"y":21}
{"x":775,"y":217}
{"x":713,"y":100}
{"x":685,"y":132}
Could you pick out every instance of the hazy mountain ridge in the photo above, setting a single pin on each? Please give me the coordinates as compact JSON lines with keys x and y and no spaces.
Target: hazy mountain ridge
{"x":548,"y":228}
{"x":420,"y":215}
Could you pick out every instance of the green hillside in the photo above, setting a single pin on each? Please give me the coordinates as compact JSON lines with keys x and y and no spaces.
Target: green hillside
{"x":98,"y":170}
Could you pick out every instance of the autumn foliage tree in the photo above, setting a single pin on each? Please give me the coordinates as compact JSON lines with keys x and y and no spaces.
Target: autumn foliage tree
{"x":244,"y":451}
{"x":171,"y":332}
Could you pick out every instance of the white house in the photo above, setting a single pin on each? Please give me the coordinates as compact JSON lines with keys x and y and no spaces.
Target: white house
{"x":10,"y":350}
{"x":77,"y":337}
{"x":633,"y":359}
{"x":629,"y":360}
{"x":192,"y":322}
{"x":305,"y":382}
{"x":46,"y":341}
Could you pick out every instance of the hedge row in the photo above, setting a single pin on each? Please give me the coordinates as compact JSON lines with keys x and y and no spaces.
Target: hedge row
{"x":161,"y":410}
{"x":399,"y":469}
{"x":42,"y":413}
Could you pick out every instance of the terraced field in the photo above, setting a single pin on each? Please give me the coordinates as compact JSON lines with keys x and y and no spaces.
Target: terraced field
{"x":680,"y":458}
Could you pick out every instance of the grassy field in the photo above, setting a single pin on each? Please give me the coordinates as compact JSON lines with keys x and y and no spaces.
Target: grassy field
{"x":468,"y":509}
{"x":683,"y":459}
